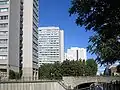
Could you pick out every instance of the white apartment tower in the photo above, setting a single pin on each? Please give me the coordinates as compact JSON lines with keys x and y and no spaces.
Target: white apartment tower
{"x":18,"y":37}
{"x":51,"y":45}
{"x":75,"y":53}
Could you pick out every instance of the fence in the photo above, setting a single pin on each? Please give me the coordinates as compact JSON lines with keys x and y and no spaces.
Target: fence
{"x":111,"y":86}
{"x":103,"y":86}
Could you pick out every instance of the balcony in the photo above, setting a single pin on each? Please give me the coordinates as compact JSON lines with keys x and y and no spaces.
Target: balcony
{"x":4,"y":29}
{"x":21,"y":38}
{"x":21,"y":58}
{"x":3,"y":66}
{"x":4,"y":21}
{"x":3,"y":53}
{"x":5,"y":5}
{"x":21,"y":13}
{"x":3,"y":36}
{"x":21,"y":1}
{"x":21,"y":46}
{"x":21,"y":26}
{"x":21,"y":52}
{"x":21,"y":32}
{"x":21,"y":7}
{"x":3,"y":62}
{"x":3,"y":45}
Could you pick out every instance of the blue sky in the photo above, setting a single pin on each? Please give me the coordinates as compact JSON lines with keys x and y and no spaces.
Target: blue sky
{"x":55,"y":13}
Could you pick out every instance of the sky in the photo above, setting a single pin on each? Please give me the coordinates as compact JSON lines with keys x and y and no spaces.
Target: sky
{"x":55,"y":13}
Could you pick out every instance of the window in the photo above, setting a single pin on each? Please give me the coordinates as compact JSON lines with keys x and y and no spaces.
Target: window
{"x":3,"y":41}
{"x":3,"y":9}
{"x":4,"y":17}
{"x":35,"y":45}
{"x":3,"y":25}
{"x":3,"y":2}
{"x":3,"y":33}
{"x":3,"y":57}
{"x":35,"y":51}
{"x":3,"y":49}
{"x":35,"y":38}
{"x":35,"y":26}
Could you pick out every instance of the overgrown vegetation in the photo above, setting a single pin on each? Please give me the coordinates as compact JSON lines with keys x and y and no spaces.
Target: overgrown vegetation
{"x":68,"y":68}
{"x":15,"y":75}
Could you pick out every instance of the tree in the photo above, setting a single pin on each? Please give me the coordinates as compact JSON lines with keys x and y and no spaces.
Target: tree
{"x":68,"y":68}
{"x":91,"y":67}
{"x":50,"y":71}
{"x":103,"y":18}
{"x":56,"y":72}
{"x":44,"y":71}
{"x":14,"y":75}
{"x":11,"y":74}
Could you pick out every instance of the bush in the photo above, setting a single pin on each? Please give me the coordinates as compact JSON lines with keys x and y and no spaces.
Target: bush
{"x":11,"y":74}
{"x":14,"y":75}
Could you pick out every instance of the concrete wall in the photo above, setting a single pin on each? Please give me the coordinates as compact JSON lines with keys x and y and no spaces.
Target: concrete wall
{"x":31,"y":86}
{"x":14,"y":34}
{"x":28,"y":46}
{"x":74,"y":81}
{"x":27,"y":38}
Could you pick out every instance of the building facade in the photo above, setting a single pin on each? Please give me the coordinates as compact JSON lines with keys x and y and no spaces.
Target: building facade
{"x":51,"y":45}
{"x":10,"y":36}
{"x":18,"y":37}
{"x":75,"y":53}
{"x":30,"y":38}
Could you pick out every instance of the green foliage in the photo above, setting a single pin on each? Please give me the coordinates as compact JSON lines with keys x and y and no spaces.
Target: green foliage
{"x":91,"y":66}
{"x":103,"y":18}
{"x":68,"y":68}
{"x":11,"y":74}
{"x":14,"y":75}
{"x":44,"y":71}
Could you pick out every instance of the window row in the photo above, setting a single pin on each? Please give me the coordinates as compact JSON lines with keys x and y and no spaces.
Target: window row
{"x":35,"y":38}
{"x":35,"y":51}
{"x":35,"y":56}
{"x":4,"y":17}
{"x":49,"y":54}
{"x":3,"y":2}
{"x":3,"y":57}
{"x":3,"y":33}
{"x":44,"y":43}
{"x":35,"y":13}
{"x":35,"y":6}
{"x":3,"y":25}
{"x":35,"y":45}
{"x":36,"y":2}
{"x":42,"y":38}
{"x":3,"y":41}
{"x":35,"y":26}
{"x":35,"y":20}
{"x":49,"y":35}
{"x":3,"y":9}
{"x":3,"y":49}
